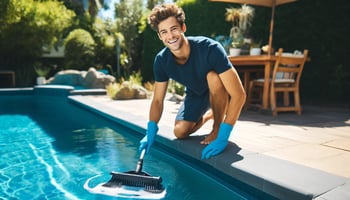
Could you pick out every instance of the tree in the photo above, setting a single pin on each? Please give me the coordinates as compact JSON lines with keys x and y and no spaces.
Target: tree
{"x":29,"y":25}
{"x":152,"y":3}
{"x":128,"y":18}
{"x":107,"y":41}
{"x":26,"y":27}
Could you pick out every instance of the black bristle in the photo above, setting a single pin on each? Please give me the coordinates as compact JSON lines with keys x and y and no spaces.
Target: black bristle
{"x":149,"y":183}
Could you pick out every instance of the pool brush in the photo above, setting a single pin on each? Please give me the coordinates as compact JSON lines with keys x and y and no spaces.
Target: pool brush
{"x":136,"y":178}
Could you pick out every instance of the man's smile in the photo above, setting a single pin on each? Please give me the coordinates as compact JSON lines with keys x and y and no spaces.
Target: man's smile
{"x":173,"y":41}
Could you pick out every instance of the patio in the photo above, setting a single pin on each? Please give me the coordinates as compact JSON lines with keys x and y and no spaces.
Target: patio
{"x":299,"y":157}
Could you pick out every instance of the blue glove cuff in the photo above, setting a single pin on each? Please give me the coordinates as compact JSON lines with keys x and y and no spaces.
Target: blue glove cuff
{"x":224,"y":131}
{"x":152,"y":127}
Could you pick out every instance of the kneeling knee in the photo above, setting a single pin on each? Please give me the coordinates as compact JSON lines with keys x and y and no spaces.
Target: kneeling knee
{"x":180,"y":133}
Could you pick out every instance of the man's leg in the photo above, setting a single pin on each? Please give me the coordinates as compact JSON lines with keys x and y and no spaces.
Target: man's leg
{"x":218,"y":101}
{"x":192,"y":114}
{"x":184,"y":128}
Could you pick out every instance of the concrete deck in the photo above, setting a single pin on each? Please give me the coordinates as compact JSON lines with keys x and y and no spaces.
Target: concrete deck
{"x":288,"y":156}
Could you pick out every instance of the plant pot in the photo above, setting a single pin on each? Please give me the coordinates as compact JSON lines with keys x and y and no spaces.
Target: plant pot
{"x":235,"y":52}
{"x":255,"y":51}
{"x":40,"y":80}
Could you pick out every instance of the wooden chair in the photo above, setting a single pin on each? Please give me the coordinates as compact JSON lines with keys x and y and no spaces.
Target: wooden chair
{"x":285,"y":79}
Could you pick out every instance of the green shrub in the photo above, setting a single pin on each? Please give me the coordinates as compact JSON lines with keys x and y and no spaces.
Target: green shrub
{"x":79,"y":50}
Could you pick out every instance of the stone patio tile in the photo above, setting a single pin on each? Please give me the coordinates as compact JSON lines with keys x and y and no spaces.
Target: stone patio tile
{"x":343,"y":144}
{"x":325,"y":158}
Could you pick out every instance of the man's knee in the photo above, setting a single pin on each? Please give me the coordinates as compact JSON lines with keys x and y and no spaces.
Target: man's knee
{"x":179,"y":132}
{"x":182,"y":130}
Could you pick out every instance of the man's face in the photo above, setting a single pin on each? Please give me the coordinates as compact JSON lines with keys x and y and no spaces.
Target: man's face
{"x":171,"y":33}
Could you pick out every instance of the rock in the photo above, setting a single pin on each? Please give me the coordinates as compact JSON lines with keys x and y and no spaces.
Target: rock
{"x":67,"y":77}
{"x":92,"y":79}
{"x":125,"y":93}
{"x":129,"y":91}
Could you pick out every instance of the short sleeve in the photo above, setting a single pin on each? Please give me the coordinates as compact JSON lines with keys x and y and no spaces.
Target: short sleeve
{"x":158,"y":69}
{"x":218,"y":59}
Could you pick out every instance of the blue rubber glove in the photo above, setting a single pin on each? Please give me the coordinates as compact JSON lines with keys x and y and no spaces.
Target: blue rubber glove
{"x":220,"y":143}
{"x":147,"y":141}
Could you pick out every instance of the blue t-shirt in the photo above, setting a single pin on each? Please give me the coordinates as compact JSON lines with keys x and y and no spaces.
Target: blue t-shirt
{"x":205,"y":55}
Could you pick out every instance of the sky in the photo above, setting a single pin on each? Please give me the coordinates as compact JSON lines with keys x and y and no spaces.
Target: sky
{"x":108,"y":14}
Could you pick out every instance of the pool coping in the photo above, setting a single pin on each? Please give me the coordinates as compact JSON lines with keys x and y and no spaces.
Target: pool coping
{"x":279,"y":178}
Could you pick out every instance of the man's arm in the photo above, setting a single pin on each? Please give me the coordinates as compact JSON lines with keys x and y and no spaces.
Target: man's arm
{"x":156,"y":109}
{"x":234,"y":88}
{"x":155,"y":113}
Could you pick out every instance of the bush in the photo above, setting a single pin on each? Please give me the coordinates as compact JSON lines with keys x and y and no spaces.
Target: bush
{"x":79,"y":50}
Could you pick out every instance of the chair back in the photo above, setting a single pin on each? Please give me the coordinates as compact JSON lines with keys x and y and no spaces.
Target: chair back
{"x":288,"y":68}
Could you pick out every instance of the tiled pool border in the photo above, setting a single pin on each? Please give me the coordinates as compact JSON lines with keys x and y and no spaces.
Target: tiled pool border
{"x":279,"y":178}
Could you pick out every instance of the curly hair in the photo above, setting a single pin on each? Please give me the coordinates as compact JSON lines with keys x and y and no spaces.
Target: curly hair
{"x":162,"y":12}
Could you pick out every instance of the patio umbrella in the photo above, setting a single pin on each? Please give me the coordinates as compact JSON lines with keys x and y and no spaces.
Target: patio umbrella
{"x":265,"y":3}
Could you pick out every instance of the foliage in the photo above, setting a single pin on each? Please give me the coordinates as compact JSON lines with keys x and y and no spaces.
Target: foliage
{"x":79,"y":50}
{"x":148,"y":86}
{"x":27,"y":26}
{"x":255,"y":44}
{"x":41,"y":70}
{"x":135,"y":78}
{"x":176,"y":88}
{"x":105,"y":36}
{"x":129,"y":14}
{"x":112,"y":89}
{"x":240,"y":17}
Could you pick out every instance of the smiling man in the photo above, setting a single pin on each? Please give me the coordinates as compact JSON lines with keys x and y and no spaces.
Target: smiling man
{"x":213,"y":88}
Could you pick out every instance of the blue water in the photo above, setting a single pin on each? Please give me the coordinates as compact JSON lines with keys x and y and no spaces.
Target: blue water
{"x":49,"y":148}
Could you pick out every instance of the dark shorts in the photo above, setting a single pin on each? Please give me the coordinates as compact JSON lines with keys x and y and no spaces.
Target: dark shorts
{"x":194,"y":107}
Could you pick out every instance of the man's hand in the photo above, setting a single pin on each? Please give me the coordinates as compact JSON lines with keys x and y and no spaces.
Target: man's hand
{"x":220,"y":143}
{"x":147,"y":141}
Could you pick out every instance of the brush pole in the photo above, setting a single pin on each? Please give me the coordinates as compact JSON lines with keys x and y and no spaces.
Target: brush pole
{"x":140,"y":161}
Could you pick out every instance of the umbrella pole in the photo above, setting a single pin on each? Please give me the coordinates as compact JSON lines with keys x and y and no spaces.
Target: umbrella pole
{"x":271,"y":26}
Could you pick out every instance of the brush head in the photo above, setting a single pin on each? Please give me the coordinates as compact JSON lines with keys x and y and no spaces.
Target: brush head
{"x":136,"y":179}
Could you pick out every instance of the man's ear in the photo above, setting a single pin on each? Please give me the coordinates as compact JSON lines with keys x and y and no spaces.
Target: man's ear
{"x":184,"y":28}
{"x":159,"y":36}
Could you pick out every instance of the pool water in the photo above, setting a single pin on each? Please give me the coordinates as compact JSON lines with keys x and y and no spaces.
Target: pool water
{"x":50,"y":147}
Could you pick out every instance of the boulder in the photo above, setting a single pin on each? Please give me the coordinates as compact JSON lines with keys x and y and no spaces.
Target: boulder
{"x":67,"y":77}
{"x":91,"y":79}
{"x":129,"y":91}
{"x":97,"y":79}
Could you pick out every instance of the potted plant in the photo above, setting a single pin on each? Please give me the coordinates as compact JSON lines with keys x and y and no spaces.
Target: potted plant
{"x":255,"y":49}
{"x":41,"y":72}
{"x":237,"y":41}
{"x":241,"y":20}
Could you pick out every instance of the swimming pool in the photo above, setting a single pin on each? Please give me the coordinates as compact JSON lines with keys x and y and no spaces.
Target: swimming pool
{"x":49,"y":147}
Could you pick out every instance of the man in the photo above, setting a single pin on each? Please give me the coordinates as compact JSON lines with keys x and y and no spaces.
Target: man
{"x":213,"y":88}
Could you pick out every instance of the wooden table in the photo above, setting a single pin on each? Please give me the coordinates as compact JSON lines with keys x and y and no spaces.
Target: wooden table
{"x":245,"y":65}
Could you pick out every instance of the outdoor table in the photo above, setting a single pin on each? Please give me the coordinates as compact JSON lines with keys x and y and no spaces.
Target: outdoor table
{"x":247,"y":64}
